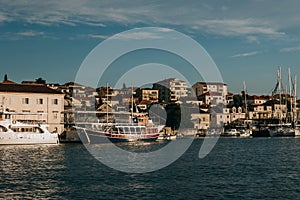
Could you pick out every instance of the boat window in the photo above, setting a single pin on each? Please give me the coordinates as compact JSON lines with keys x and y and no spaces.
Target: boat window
{"x":132,"y":129}
{"x":120,"y":130}
{"x":38,"y":130}
{"x":3,"y":129}
{"x":143,"y":130}
{"x":14,"y":129}
{"x":126,"y":130}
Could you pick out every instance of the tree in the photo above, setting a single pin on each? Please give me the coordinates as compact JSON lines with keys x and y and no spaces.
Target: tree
{"x":238,"y":100}
{"x":40,"y":81}
{"x":5,"y":77}
{"x":178,"y":115}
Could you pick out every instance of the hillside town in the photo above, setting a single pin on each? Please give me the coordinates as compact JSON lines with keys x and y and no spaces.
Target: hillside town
{"x":54,"y":104}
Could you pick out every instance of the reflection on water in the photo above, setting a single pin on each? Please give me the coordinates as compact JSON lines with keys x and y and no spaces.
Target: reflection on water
{"x":28,"y":167}
{"x":235,"y":169}
{"x":142,"y":147}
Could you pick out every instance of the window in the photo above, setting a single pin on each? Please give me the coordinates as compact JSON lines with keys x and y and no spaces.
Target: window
{"x":55,"y":115}
{"x":55,"y":101}
{"x":40,"y":101}
{"x":25,"y":100}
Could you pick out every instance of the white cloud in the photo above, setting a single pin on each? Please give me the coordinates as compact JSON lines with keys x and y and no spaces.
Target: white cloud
{"x":97,"y":36}
{"x":237,"y":27}
{"x":252,"y":38}
{"x":290,"y":49}
{"x":249,"y":19}
{"x":3,"y":17}
{"x":139,"y":35}
{"x":30,"y":33}
{"x":245,"y":54}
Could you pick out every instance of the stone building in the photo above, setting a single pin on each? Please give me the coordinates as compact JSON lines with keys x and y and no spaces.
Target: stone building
{"x":32,"y":103}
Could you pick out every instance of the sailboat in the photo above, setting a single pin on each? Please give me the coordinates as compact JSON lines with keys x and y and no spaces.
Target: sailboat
{"x":246,"y":132}
{"x":295,"y":116}
{"x":281,"y":129}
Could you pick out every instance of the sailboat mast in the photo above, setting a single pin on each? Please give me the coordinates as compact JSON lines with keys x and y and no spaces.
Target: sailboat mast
{"x":279,"y":88}
{"x":106,"y":102}
{"x":290,"y":93}
{"x":131,"y":102}
{"x":246,"y":106}
{"x":295,"y":99}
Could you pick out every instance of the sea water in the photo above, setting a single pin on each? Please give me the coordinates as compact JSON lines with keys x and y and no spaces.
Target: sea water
{"x":237,"y":168}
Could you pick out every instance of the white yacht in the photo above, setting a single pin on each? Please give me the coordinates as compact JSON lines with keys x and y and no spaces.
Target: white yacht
{"x":13,"y":132}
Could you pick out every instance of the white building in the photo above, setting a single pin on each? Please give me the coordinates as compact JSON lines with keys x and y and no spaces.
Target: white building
{"x":214,"y":93}
{"x":171,"y":89}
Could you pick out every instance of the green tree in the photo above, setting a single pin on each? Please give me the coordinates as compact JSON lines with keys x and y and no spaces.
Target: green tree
{"x":40,"y":81}
{"x":237,"y":100}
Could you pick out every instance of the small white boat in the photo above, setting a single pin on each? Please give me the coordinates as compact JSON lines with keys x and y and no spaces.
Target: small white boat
{"x":166,"y":137}
{"x":231,"y":133}
{"x":245,"y":133}
{"x":13,"y":132}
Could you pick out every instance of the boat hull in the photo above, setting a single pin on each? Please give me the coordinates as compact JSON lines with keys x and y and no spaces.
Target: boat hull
{"x":282,"y":133}
{"x":27,"y":138}
{"x":96,"y":137}
{"x":261,"y":133}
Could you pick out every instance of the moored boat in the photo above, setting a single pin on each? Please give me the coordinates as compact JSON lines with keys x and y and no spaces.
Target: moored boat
{"x":119,"y":132}
{"x":261,"y":132}
{"x":282,"y":131}
{"x":14,"y":132}
{"x":230,"y":133}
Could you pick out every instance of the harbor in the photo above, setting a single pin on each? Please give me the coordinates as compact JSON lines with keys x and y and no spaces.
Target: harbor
{"x":78,"y":113}
{"x":149,"y":100}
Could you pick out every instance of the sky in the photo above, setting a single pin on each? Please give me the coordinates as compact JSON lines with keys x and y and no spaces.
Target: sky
{"x":247,"y":40}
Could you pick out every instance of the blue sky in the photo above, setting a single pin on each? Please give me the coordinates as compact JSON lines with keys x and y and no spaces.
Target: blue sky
{"x":248,"y":40}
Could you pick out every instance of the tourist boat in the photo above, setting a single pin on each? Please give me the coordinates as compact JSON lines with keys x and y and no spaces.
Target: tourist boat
{"x":139,"y":128}
{"x":143,"y":130}
{"x":14,"y":132}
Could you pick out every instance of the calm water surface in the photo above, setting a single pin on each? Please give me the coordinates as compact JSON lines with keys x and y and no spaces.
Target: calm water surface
{"x":258,"y":168}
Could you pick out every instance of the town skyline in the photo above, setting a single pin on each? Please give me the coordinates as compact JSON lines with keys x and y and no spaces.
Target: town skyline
{"x":124,"y":85}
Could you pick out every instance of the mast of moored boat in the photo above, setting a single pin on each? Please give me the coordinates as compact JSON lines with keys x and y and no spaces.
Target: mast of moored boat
{"x":245,"y":99}
{"x":279,"y":88}
{"x":290,"y":93}
{"x":295,"y":100}
{"x":131,"y":103}
{"x":106,"y":103}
